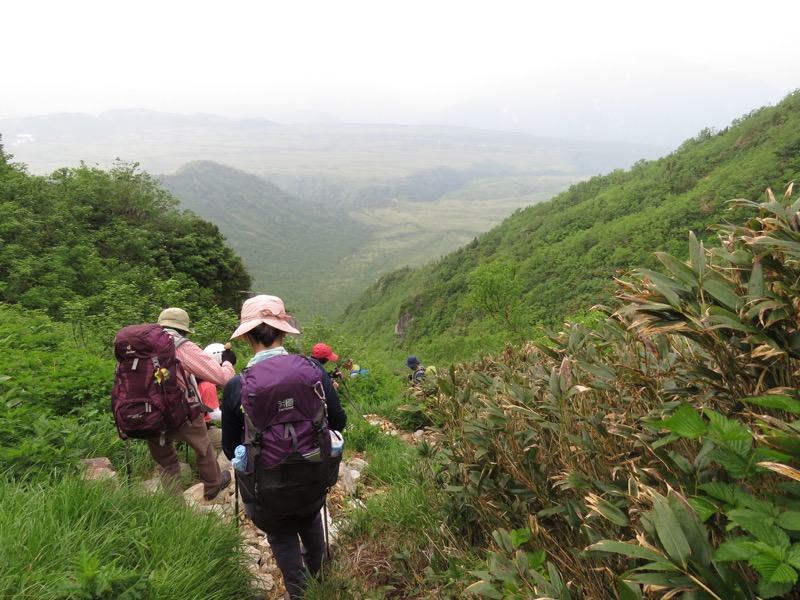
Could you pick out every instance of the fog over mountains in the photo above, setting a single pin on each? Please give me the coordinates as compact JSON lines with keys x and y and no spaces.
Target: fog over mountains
{"x":652,"y":98}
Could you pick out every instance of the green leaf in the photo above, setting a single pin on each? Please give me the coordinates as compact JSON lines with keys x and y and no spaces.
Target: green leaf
{"x":685,"y":421}
{"x":734,"y":549}
{"x":628,"y":591}
{"x":520,"y":536}
{"x":704,"y":509}
{"x":755,"y":286}
{"x":697,"y":256}
{"x":626,"y":549}
{"x":669,"y":531}
{"x":793,"y":556}
{"x":727,"y":492}
{"x":722,"y":291}
{"x":773,"y":570}
{"x":679,"y":269}
{"x":778,"y":401}
{"x":790,"y":520}
{"x":485,"y":589}
{"x":761,"y":527}
{"x":609,"y":511}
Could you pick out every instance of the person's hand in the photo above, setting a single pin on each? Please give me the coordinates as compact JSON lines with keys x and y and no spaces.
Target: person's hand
{"x":228,"y":355}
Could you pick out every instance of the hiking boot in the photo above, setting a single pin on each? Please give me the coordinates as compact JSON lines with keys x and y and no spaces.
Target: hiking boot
{"x":226,"y":481}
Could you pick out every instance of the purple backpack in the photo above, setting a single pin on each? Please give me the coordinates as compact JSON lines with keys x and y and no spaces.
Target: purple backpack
{"x":149,"y":396}
{"x":286,"y":433}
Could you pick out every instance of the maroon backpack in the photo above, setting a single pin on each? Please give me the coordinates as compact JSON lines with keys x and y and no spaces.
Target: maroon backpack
{"x":149,"y":396}
{"x":286,"y":433}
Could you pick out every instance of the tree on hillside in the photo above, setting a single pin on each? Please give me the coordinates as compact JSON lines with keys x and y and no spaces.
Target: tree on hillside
{"x":79,"y":232}
{"x":495,"y":290}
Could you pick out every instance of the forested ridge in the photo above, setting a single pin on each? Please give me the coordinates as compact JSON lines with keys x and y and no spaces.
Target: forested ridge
{"x":562,"y":255}
{"x":74,"y":237}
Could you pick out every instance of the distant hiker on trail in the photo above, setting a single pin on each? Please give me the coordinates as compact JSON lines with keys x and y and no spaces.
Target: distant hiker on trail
{"x":209,"y":395}
{"x":352,"y":369}
{"x":200,"y":365}
{"x":417,"y":374}
{"x":275,"y":432}
{"x":324,"y":354}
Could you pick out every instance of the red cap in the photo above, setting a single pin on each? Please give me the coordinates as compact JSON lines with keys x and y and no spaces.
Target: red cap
{"x":324,"y":351}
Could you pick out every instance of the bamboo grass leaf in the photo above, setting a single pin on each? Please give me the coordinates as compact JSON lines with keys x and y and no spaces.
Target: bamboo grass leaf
{"x":696,"y":533}
{"x":485,"y":589}
{"x":779,"y":401}
{"x":668,"y":580}
{"x":697,"y":255}
{"x":679,"y":269}
{"x":723,"y":318}
{"x":755,"y":285}
{"x":669,"y":530}
{"x":665,"y":285}
{"x":605,"y":509}
{"x":722,"y":291}
{"x":628,"y":591}
{"x":626,"y":549}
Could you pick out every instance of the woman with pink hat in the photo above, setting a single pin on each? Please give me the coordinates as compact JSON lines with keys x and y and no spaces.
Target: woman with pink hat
{"x":263,"y":325}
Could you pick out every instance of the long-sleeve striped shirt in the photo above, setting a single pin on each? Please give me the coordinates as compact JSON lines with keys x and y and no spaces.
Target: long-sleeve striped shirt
{"x":201,"y":365}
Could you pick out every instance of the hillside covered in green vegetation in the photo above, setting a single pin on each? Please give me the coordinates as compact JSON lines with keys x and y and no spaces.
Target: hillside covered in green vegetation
{"x":319,"y":213}
{"x":560,"y":257}
{"x":73,"y":239}
{"x":647,"y":450}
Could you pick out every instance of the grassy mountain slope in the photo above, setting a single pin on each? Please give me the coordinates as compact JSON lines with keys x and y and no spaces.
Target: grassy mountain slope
{"x":336,"y":232}
{"x":286,"y":242}
{"x":565,"y":252}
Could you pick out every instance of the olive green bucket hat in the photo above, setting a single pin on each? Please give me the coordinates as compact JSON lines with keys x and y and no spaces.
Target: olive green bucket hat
{"x":177,"y":318}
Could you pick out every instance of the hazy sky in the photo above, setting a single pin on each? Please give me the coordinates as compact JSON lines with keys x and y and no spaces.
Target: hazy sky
{"x":245,"y":57}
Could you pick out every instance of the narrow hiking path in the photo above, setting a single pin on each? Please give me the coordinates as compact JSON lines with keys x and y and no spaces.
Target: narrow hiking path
{"x":348,"y":492}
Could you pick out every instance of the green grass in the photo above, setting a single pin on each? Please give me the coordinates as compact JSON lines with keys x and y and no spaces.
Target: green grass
{"x":77,"y":539}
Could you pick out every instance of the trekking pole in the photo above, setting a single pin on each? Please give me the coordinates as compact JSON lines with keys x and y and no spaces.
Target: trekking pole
{"x":128,"y":467}
{"x":350,"y":398}
{"x":325,"y":525}
{"x":236,"y":497}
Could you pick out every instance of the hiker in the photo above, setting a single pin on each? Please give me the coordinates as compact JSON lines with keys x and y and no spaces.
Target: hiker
{"x":209,"y":395}
{"x":293,"y":517}
{"x":417,"y":374}
{"x":324,"y":354}
{"x":197,"y":363}
{"x":352,"y":369}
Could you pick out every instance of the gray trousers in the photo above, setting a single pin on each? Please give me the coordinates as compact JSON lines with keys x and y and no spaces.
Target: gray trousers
{"x":297,"y":562}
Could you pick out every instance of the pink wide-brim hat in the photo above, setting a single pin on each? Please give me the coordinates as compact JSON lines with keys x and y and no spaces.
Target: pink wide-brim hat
{"x":263,"y":309}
